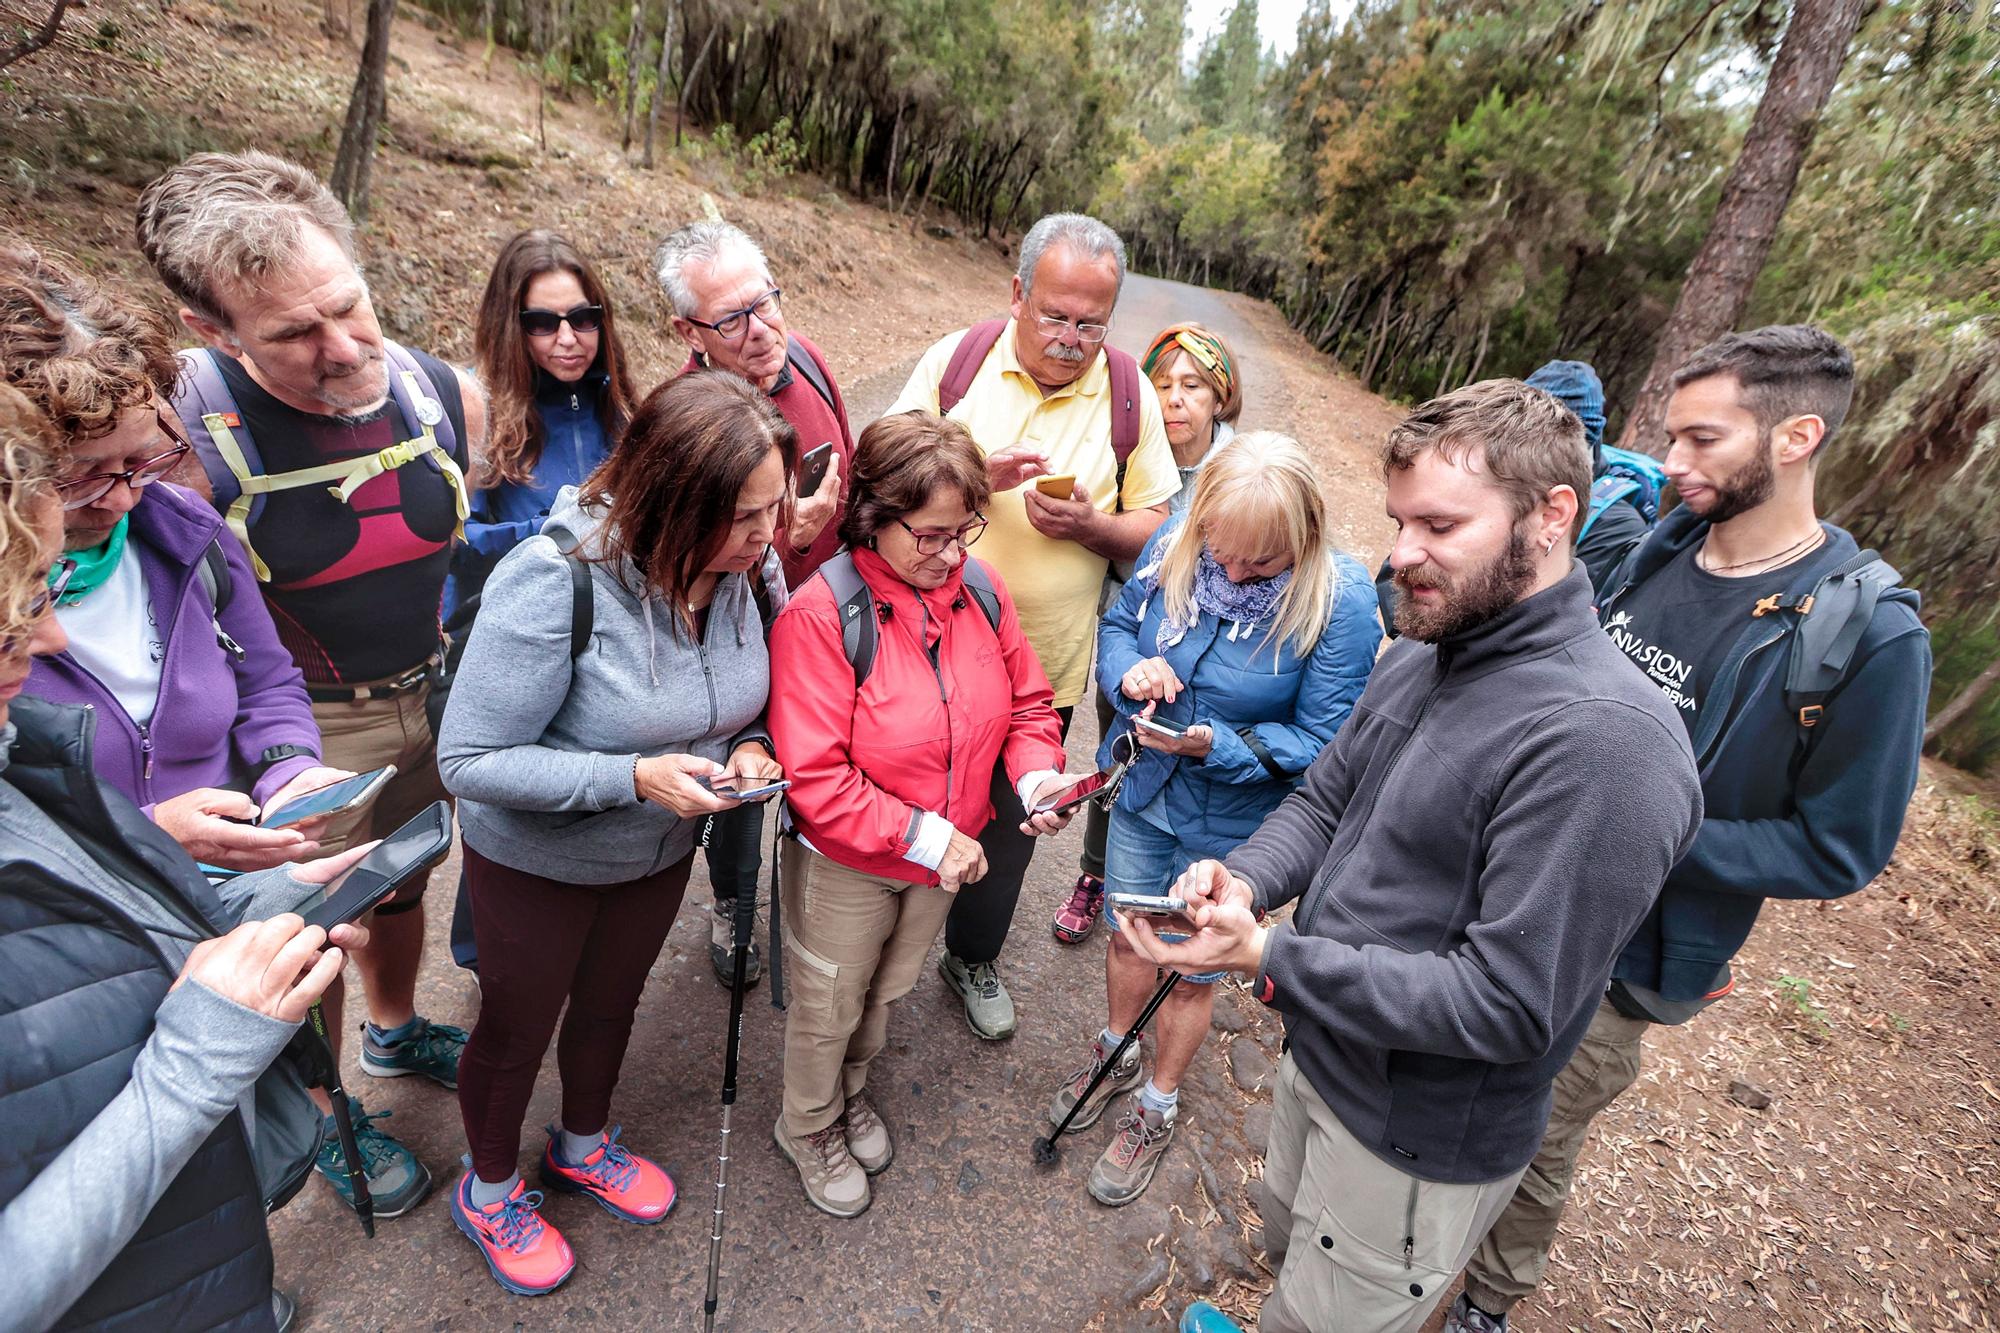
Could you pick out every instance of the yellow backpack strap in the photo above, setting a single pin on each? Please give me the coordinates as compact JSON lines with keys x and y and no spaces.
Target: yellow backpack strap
{"x":249,"y":486}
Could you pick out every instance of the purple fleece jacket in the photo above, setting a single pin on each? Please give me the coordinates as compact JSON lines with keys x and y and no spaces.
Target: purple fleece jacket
{"x":216,"y":714}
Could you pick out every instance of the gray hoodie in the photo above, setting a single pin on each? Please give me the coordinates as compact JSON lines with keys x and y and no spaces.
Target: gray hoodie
{"x":540,"y":749}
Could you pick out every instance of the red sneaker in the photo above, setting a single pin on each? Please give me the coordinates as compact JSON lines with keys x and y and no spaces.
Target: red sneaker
{"x":1076,"y":918}
{"x":624,"y":1184}
{"x":527,"y":1255}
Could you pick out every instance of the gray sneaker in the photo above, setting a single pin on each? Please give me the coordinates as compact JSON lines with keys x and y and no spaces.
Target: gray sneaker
{"x":988,"y":1007}
{"x":868,"y":1140}
{"x":1128,"y":1163}
{"x":1126,"y":1075}
{"x":833,"y":1180}
{"x":722,"y":945}
{"x":1465,"y":1317}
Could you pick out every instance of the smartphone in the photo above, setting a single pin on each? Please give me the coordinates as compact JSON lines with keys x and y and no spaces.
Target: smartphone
{"x":812,"y":468}
{"x":741,"y":788}
{"x":1147,"y":904}
{"x":399,"y":858}
{"x":1162,"y":726}
{"x":333,"y":799}
{"x":1070,"y":797}
{"x":1058,"y":487}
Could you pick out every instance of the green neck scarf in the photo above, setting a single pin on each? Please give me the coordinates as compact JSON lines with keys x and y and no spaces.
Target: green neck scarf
{"x":96,"y":565}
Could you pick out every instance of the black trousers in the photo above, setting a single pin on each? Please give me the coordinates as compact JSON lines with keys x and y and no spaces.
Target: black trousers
{"x":977,"y":926}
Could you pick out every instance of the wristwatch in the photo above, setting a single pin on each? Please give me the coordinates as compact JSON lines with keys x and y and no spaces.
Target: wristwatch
{"x":277,"y":754}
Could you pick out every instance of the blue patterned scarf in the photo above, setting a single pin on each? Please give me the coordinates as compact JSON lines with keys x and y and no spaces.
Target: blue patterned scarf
{"x":1246,"y":605}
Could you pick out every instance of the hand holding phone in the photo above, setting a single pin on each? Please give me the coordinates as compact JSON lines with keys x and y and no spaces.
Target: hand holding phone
{"x":1058,"y":486}
{"x":812,"y":469}
{"x":397,"y":860}
{"x":333,"y":799}
{"x":1072,"y":796}
{"x":1148,"y":904}
{"x":1160,"y":726}
{"x":738,"y":787}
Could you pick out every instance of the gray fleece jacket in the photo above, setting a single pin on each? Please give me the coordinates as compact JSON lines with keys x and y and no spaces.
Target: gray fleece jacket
{"x":540,"y":749}
{"x":202,"y":1061}
{"x":1469,"y":856}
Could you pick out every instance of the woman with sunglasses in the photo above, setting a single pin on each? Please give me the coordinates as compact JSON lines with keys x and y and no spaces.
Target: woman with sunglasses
{"x":202,"y":717}
{"x":1232,"y":657}
{"x":886,"y":814}
{"x":558,"y":396}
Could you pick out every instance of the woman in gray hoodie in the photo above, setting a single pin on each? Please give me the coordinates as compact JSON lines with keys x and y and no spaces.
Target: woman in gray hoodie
{"x":578,"y":770}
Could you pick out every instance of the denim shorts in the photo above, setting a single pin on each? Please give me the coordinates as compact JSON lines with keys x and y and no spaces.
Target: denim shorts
{"x":1141,"y":857}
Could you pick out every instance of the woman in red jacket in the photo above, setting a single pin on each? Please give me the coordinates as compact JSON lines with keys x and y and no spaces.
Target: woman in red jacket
{"x":887,"y":797}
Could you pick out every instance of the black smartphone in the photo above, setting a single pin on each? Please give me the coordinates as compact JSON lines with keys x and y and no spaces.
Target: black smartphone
{"x":332,"y":799}
{"x":812,"y":468}
{"x":741,"y":788}
{"x":1161,"y":726}
{"x":1070,"y":797}
{"x":399,"y":858}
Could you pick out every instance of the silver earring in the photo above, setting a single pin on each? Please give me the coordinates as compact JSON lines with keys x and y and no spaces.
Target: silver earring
{"x":1550,"y":549}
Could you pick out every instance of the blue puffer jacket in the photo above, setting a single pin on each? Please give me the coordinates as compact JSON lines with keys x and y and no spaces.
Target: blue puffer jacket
{"x":1242,"y":688}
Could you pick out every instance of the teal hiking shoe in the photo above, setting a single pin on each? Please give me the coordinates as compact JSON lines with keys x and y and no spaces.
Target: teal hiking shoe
{"x":397,"y":1181}
{"x":432,"y":1050}
{"x":988,"y":1008}
{"x":1201,"y":1317}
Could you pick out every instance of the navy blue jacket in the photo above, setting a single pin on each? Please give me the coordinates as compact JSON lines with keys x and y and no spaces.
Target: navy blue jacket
{"x":1782,"y":820}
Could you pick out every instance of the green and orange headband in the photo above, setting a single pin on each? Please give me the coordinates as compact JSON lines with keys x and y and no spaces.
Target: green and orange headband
{"x":1206,"y":349}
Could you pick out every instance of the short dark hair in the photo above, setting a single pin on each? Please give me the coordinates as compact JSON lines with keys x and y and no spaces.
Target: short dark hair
{"x":1784,"y":370}
{"x":900,"y":462}
{"x":1528,"y":441}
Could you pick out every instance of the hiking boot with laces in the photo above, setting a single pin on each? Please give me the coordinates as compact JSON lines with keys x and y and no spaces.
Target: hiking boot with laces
{"x":833,"y":1180}
{"x":1127,"y":1166}
{"x":722,"y":945}
{"x":526,"y":1255}
{"x":1465,"y":1317}
{"x":624,"y":1184}
{"x":988,"y":1008}
{"x":397,"y":1181}
{"x":432,"y":1050}
{"x":868,"y":1140}
{"x":1127,"y":1074}
{"x":1076,"y":918}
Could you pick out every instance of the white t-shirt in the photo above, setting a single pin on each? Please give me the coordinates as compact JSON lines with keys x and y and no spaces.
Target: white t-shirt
{"x":112,"y":636}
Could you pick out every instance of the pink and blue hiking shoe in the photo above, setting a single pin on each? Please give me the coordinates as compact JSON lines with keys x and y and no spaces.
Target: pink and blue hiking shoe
{"x":624,"y":1184}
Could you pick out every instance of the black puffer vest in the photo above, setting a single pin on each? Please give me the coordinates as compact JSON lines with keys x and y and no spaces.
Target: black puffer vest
{"x":79,"y":984}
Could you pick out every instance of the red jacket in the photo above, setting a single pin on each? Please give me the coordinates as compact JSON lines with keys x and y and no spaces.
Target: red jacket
{"x":865,"y":768}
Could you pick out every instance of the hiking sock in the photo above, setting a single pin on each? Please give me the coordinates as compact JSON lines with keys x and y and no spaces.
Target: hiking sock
{"x":1153,"y":1099}
{"x":1109,"y":1040}
{"x":485,"y":1194}
{"x":395,"y":1036}
{"x":573,"y":1148}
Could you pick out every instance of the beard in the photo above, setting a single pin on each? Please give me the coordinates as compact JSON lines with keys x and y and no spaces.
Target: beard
{"x":1466,"y":602}
{"x":360,"y":388}
{"x":1743,"y":490}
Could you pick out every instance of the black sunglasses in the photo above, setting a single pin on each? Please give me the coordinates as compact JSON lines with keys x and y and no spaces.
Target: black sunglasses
{"x":38,"y":606}
{"x":581,"y":319}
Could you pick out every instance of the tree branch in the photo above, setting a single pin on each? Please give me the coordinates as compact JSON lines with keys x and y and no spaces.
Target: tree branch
{"x":35,"y":41}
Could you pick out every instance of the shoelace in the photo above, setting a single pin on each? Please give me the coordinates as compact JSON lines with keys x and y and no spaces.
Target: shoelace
{"x":370,"y":1141}
{"x":829,"y":1144}
{"x":983,"y":978}
{"x":1081,"y":901}
{"x":1130,"y":1144}
{"x":615,"y":1169}
{"x":518,"y":1225}
{"x":426,"y":1041}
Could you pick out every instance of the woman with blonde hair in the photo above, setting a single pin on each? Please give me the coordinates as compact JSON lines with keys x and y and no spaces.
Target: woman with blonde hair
{"x":1232,"y":657}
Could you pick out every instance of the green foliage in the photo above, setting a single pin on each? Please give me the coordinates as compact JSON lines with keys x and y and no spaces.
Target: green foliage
{"x":1797,"y":991}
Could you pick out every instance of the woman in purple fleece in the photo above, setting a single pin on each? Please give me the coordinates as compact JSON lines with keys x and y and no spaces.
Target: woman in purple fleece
{"x":196,"y":701}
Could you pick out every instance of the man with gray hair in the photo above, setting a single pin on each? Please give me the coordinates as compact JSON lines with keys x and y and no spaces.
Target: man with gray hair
{"x":337,"y":457}
{"x":1050,"y":403}
{"x":727,"y":309}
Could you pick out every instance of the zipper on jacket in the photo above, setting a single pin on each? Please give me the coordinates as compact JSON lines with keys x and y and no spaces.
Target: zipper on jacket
{"x":145,"y":755}
{"x":937,"y":673}
{"x":1410,"y":1228}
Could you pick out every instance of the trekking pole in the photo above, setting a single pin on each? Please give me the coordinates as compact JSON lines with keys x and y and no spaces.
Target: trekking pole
{"x":343,"y":1124}
{"x":1046,"y":1152}
{"x":744,"y":920}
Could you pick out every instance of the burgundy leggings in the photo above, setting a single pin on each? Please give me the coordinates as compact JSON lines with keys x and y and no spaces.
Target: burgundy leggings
{"x":542,"y":942}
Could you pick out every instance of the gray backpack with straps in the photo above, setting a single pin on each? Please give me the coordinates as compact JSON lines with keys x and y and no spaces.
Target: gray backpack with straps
{"x":1832,"y":619}
{"x":859,"y":614}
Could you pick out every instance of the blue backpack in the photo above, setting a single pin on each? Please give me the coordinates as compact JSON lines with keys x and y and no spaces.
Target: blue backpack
{"x":1638,"y":478}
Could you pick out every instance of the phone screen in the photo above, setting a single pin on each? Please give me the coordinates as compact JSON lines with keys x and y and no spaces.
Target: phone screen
{"x":1073,"y":795}
{"x":812,"y":468}
{"x":1162,"y":725}
{"x":329,"y":799}
{"x":742,"y":788}
{"x":402,"y":855}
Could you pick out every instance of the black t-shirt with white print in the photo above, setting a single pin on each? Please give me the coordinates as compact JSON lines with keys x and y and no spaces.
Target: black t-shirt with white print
{"x":1679,"y":624}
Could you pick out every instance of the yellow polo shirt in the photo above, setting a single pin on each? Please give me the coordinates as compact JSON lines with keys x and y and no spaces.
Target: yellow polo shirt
{"x":1054,"y":583}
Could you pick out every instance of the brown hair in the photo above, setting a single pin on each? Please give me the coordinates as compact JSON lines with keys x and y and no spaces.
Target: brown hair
{"x":82,"y":358}
{"x":507,"y":371}
{"x":900,"y":462}
{"x":26,"y":445}
{"x":670,"y":490}
{"x":1784,"y":371}
{"x":224,"y":217}
{"x":1528,"y":442}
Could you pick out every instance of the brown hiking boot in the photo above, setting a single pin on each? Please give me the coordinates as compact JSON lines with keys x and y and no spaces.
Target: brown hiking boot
{"x":1127,"y":1166}
{"x":1128,"y":1073}
{"x":868,"y":1140}
{"x":833,"y":1180}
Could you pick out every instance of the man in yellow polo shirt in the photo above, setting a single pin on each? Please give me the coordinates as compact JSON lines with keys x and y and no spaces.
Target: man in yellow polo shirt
{"x":1041,"y":404}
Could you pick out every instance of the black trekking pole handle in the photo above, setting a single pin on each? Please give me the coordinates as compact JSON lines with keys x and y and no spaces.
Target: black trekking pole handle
{"x":343,"y":1123}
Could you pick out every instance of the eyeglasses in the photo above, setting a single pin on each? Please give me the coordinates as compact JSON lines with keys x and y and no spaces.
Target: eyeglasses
{"x":1055,"y":326}
{"x":38,"y":606}
{"x":81,"y":491}
{"x":934,"y":543}
{"x":538,"y":323}
{"x":737,"y":322}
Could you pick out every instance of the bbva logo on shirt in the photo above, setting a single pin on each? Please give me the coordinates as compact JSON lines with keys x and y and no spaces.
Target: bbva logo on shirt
{"x":1664,"y":669}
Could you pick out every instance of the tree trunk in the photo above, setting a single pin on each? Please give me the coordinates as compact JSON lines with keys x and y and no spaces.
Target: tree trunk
{"x":660,"y":81}
{"x":895,"y":142}
{"x":635,"y":45}
{"x":693,"y":76}
{"x":366,"y":106}
{"x":1962,"y":703}
{"x":32,"y":42}
{"x":1754,"y":197}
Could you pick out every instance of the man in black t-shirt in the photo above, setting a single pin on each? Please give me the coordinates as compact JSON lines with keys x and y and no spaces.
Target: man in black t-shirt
{"x":1797,"y":802}
{"x":347,"y":453}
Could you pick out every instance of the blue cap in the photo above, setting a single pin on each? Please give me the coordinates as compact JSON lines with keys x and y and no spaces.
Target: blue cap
{"x":1577,"y":387}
